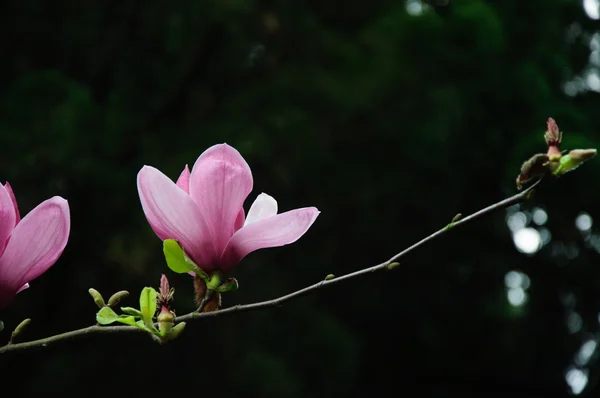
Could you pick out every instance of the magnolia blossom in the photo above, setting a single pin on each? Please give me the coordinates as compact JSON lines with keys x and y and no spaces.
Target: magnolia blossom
{"x":203,"y":210}
{"x":30,"y":246}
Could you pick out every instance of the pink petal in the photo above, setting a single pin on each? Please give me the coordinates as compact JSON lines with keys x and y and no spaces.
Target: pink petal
{"x":173,"y":214}
{"x":240,"y":219}
{"x":220,"y":182}
{"x":183,"y":181}
{"x":36,"y":243}
{"x":25,"y":286}
{"x":7,"y":217}
{"x":279,"y":230}
{"x":263,"y":207}
{"x":14,"y":200}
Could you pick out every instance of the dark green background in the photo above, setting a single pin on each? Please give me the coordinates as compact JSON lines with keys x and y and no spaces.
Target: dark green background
{"x":389,"y":123}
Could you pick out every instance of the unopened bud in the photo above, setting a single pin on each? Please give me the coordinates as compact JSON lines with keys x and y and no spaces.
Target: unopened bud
{"x":19,"y":329}
{"x":573,"y":160}
{"x":117,"y":297}
{"x":582,"y":154}
{"x":98,"y":299}
{"x":553,"y":135}
{"x":165,"y":293}
{"x":164,"y":285}
{"x":535,"y":166}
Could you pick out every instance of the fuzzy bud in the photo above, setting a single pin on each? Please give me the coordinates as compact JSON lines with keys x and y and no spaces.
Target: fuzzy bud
{"x":535,"y":166}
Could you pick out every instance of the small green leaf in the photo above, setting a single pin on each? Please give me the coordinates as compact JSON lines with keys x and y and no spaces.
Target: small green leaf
{"x":175,"y":257}
{"x":148,"y":305}
{"x":132,"y":311}
{"x":148,"y":328}
{"x":393,"y":265}
{"x":329,"y":277}
{"x":106,"y":316}
{"x":127,"y":320}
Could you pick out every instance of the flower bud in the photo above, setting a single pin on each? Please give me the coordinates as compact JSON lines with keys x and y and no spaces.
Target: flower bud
{"x":573,"y":160}
{"x":581,"y":155}
{"x":535,"y":166}
{"x":553,"y":135}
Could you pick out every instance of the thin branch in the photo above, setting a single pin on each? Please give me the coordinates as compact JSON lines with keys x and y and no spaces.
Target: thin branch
{"x":386,"y":265}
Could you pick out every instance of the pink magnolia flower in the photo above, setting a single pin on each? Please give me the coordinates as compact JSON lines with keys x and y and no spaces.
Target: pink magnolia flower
{"x":203,"y":210}
{"x":30,"y":246}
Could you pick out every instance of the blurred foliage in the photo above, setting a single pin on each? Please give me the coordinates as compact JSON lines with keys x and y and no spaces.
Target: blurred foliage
{"x":389,"y":122}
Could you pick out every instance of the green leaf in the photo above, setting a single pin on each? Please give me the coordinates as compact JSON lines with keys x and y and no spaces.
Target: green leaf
{"x":106,"y":316}
{"x":132,"y":311}
{"x":127,"y":320}
{"x":150,"y":329}
{"x":148,"y":305}
{"x":175,"y":257}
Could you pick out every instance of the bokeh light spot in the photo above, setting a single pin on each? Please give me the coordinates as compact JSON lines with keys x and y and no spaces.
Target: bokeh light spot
{"x":527,"y":240}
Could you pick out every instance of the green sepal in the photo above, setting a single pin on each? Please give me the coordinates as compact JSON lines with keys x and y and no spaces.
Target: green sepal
{"x":229,"y":285}
{"x":179,"y":262}
{"x":175,"y":257}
